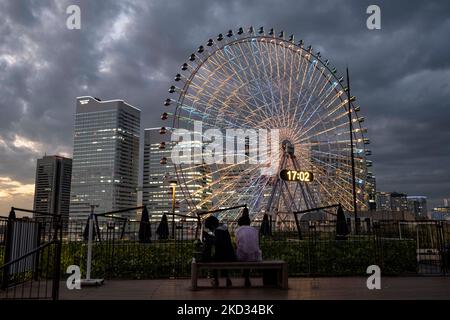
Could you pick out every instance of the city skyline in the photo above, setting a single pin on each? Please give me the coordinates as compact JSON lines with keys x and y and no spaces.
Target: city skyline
{"x":406,"y":116}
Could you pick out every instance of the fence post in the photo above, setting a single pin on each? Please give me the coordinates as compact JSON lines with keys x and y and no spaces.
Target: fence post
{"x":378,"y":243}
{"x":57,"y":226}
{"x":8,"y":246}
{"x":441,"y":245}
{"x":36,"y":259}
{"x":368,"y":226}
{"x":349,"y":225}
{"x":56,"y":270}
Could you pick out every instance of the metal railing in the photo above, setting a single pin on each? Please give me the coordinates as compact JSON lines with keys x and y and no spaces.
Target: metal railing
{"x":30,"y":250}
{"x":398,"y":247}
{"x":38,"y":280}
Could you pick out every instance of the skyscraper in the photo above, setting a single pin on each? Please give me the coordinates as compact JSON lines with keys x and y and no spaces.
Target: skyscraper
{"x":441,"y":212}
{"x":52,"y":185}
{"x":159,"y":171}
{"x":371,"y":190}
{"x":105,"y":156}
{"x":391,"y":201}
{"x":446,"y":202}
{"x":418,"y":206}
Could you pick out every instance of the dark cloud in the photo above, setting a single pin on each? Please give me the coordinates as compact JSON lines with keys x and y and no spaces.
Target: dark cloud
{"x":132,"y":49}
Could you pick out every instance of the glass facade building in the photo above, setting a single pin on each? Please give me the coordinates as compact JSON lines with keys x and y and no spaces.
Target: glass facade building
{"x":418,"y":206}
{"x":52,"y":185}
{"x":105,"y":157}
{"x":157,"y":175}
{"x":391,"y":201}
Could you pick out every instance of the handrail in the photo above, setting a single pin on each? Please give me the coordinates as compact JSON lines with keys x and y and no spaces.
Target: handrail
{"x":38,"y":212}
{"x":28,"y":254}
{"x":118,"y":211}
{"x":220,"y":210}
{"x":319,"y":208}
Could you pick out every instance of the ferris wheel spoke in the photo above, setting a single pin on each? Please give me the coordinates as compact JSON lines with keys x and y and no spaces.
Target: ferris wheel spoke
{"x":276,"y":49}
{"x":254,"y":185}
{"x":240,"y":67}
{"x":228,"y":185}
{"x":227,"y":168}
{"x":308,"y":102}
{"x":294,"y":107}
{"x":268,"y":78}
{"x":306,"y":130}
{"x":255,"y":66}
{"x":271,"y":73}
{"x":321,"y":183}
{"x":340,"y":172}
{"x":321,"y":101}
{"x":243,"y":83}
{"x":325,"y":131}
{"x":248,"y":104}
{"x":300,"y":96}
{"x":259,"y":197}
{"x":227,"y":106}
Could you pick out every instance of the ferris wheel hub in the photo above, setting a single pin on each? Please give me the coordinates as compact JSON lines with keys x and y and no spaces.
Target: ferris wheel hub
{"x":288,"y":147}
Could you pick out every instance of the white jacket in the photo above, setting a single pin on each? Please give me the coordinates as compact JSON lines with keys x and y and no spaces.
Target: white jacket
{"x":247,"y":239}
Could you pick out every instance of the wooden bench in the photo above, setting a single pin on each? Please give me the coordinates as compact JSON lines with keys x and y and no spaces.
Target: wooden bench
{"x":280,"y":266}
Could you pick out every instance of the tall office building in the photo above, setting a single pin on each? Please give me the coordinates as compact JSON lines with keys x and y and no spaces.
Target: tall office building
{"x":159,"y":171}
{"x":371,"y":190}
{"x":105,"y":156}
{"x":441,"y":212}
{"x":399,"y":201}
{"x":52,"y":185}
{"x":391,"y":201}
{"x":383,"y":201}
{"x":418,"y":206}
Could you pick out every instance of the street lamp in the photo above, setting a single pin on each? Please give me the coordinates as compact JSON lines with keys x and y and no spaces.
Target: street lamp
{"x":173,"y":185}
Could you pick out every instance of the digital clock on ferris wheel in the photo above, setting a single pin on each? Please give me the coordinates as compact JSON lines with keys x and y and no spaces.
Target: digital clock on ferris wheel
{"x":296,"y":175}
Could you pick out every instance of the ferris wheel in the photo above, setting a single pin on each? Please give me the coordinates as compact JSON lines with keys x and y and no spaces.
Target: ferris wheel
{"x":254,"y":79}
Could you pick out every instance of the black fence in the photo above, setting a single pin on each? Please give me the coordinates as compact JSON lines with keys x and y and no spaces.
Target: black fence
{"x":118,"y":252}
{"x":30,"y":252}
{"x":398,"y":247}
{"x":33,"y":275}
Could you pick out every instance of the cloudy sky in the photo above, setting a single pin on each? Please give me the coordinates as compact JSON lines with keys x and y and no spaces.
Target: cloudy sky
{"x":131,"y":49}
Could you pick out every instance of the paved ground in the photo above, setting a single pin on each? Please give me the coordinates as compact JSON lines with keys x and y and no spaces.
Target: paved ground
{"x":351,"y":288}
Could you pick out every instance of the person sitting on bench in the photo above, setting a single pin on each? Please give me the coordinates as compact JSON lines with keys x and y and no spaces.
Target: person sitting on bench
{"x":223,"y":248}
{"x":247,"y":240}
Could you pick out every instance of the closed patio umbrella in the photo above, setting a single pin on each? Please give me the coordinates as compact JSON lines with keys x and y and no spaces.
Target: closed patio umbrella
{"x":245,"y":213}
{"x":265,"y":228}
{"x":145,"y":232}
{"x":244,"y":217}
{"x":341,"y":225}
{"x":86,"y":231}
{"x":163,"y":228}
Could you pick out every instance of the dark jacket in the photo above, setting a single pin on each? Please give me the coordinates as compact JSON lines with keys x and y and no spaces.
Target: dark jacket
{"x":223,"y":248}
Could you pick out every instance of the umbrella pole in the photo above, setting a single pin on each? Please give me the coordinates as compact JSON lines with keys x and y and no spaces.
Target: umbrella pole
{"x":89,"y":252}
{"x":88,"y":281}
